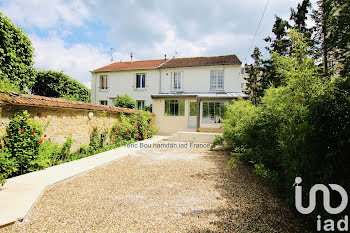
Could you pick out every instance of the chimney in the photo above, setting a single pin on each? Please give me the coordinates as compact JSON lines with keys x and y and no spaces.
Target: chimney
{"x":130,"y":57}
{"x":164,"y":56}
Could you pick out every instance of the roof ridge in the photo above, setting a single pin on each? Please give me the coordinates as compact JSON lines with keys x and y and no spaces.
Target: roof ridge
{"x":206,"y":56}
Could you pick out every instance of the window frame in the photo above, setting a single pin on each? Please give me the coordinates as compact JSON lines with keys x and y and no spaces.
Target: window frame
{"x":142,"y":104}
{"x":179,"y":77}
{"x":103,"y":85}
{"x":215,"y":85}
{"x":213,"y":110}
{"x":178,"y":107}
{"x":142,"y":81}
{"x":104,"y":101}
{"x":193,"y":109}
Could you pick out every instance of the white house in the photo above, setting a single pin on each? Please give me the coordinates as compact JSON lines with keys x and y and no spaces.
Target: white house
{"x":186,"y":94}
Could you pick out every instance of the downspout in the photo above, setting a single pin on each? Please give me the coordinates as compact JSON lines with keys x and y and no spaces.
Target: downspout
{"x":198,"y":114}
{"x":160,"y":81}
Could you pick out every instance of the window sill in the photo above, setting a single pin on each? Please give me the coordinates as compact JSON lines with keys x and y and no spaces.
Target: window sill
{"x":103,"y":90}
{"x":217,"y":90}
{"x":140,"y":89}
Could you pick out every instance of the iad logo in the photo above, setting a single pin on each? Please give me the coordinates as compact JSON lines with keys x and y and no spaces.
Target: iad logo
{"x":342,"y":224}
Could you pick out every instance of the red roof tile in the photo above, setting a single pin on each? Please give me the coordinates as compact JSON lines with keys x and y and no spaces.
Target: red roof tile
{"x":146,"y":64}
{"x":202,"y":61}
{"x":42,"y":101}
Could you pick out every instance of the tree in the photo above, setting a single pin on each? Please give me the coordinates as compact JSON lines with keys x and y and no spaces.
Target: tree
{"x":59,"y":85}
{"x":281,"y":43}
{"x":125,"y":101}
{"x":16,"y":55}
{"x":333,"y":35}
{"x":253,"y":86}
{"x":299,"y":17}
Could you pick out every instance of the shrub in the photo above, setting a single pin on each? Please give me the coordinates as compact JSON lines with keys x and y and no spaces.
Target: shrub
{"x":59,"y":85}
{"x":66,"y":147}
{"x":300,"y":129}
{"x":125,"y":101}
{"x":133,"y":127}
{"x":7,"y":165}
{"x":23,"y":140}
{"x":51,"y":151}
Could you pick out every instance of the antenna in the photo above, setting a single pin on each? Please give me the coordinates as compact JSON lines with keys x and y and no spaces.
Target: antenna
{"x":112,"y":50}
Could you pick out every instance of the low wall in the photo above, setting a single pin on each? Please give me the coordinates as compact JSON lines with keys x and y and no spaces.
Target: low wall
{"x":62,"y":122}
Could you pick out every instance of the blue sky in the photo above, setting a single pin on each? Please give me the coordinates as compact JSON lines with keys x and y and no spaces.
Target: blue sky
{"x":75,"y":36}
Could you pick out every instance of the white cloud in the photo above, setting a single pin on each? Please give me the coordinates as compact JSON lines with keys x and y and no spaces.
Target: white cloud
{"x":76,"y":61}
{"x":45,"y":14}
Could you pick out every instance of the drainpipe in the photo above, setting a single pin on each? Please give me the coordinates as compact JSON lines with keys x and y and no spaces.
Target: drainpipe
{"x":198,"y":113}
{"x":160,"y":81}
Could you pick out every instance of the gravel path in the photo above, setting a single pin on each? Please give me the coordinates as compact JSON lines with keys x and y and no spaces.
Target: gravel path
{"x":162,"y":190}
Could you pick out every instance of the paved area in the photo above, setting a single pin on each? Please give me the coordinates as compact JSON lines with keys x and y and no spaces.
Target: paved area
{"x":162,"y":190}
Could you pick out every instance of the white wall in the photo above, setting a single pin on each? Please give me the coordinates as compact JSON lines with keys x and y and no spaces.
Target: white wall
{"x":124,"y":82}
{"x":197,"y":79}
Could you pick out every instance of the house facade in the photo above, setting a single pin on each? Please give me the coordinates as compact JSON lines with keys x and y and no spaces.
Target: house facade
{"x":187,"y":94}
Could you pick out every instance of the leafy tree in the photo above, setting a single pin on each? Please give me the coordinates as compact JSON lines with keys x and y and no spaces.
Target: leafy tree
{"x":16,"y":55}
{"x":59,"y":85}
{"x":125,"y":101}
{"x":333,"y":35}
{"x":299,"y":17}
{"x":253,"y":86}
{"x":281,"y":43}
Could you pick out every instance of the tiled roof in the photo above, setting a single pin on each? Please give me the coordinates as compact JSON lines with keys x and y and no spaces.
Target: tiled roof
{"x":42,"y":101}
{"x":135,"y":65}
{"x":202,"y":61}
{"x":172,"y":63}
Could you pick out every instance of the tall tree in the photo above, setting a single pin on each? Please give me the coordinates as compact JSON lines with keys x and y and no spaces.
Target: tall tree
{"x":16,"y":55}
{"x":333,"y":33}
{"x":299,"y":17}
{"x":59,"y":85}
{"x":253,"y":85}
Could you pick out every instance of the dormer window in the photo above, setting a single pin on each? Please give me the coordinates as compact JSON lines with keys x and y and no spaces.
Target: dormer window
{"x":177,"y":81}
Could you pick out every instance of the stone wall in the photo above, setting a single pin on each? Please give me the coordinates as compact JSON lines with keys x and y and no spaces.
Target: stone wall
{"x":59,"y":123}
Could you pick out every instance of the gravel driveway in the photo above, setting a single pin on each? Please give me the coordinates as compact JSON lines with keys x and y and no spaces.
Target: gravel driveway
{"x":162,"y":190}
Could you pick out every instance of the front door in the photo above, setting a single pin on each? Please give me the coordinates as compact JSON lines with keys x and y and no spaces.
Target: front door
{"x":192,"y":117}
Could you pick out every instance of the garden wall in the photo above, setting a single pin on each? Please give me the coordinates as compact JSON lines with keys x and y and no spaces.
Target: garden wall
{"x":60,"y":122}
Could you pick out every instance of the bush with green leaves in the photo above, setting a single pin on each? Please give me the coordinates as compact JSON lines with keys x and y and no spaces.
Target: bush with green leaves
{"x":7,"y":165}
{"x":133,"y":127}
{"x":125,"y":101}
{"x":23,"y":141}
{"x":59,"y":85}
{"x":299,"y":129}
{"x":16,"y":55}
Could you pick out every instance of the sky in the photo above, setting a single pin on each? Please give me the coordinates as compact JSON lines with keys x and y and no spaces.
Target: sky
{"x":76,"y":36}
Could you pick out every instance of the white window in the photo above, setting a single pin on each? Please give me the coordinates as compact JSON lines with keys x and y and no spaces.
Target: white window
{"x":177,"y":81}
{"x":103,"y":82}
{"x":242,"y":85}
{"x":140,"y":80}
{"x":103,"y":102}
{"x":216,"y":80}
{"x":140,"y":104}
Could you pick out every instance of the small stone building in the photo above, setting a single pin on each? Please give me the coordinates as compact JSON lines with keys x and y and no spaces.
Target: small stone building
{"x":61,"y":118}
